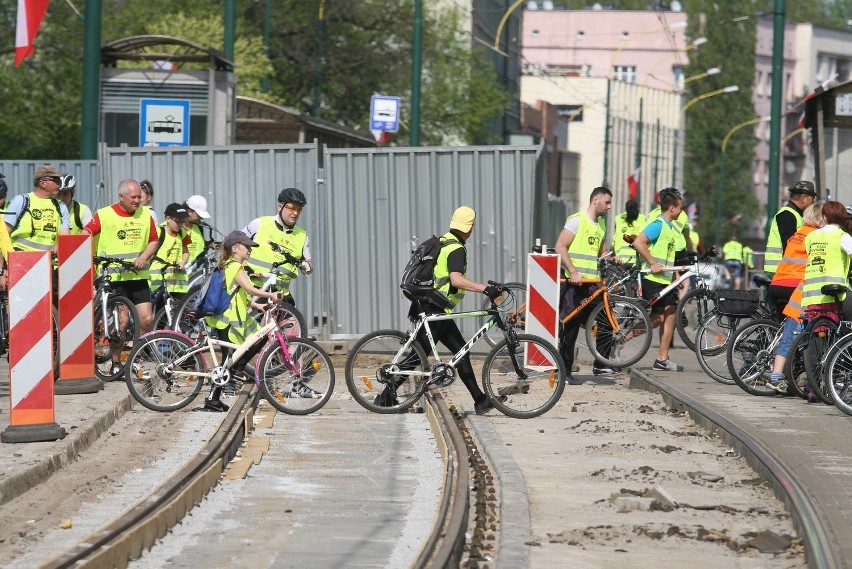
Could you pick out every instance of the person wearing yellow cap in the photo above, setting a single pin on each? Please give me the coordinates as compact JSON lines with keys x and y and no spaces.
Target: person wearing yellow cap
{"x":451,"y":282}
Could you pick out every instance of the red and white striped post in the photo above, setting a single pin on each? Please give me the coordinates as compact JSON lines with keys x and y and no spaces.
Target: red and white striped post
{"x":543,"y":275}
{"x":76,"y":315}
{"x":31,"y":416}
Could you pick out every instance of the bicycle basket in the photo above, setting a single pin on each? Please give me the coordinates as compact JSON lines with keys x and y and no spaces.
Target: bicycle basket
{"x":737,"y":302}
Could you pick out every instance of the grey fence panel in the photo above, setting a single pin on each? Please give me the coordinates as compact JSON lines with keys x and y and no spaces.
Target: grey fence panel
{"x":240,"y":183}
{"x":19,"y":176}
{"x":382,"y":202}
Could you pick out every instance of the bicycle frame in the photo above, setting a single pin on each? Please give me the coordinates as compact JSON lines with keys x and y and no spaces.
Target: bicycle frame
{"x":601,"y":291}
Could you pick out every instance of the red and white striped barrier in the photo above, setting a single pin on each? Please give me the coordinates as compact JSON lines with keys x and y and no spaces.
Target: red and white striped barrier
{"x":543,"y":275}
{"x":31,"y":416}
{"x":76,"y":328}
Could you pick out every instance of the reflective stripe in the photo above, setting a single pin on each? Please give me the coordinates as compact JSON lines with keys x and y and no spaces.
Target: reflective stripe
{"x":794,"y":261}
{"x":32,"y":245}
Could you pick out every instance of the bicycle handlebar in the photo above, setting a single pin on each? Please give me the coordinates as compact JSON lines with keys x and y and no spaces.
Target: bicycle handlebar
{"x":107,"y":261}
{"x":166,"y":263}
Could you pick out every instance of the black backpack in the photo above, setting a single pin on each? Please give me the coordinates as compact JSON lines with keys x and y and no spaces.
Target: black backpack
{"x":418,"y":276}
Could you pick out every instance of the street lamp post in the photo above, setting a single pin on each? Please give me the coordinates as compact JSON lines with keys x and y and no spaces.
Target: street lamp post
{"x":717,"y":234}
{"x":694,"y":45}
{"x":708,"y":73}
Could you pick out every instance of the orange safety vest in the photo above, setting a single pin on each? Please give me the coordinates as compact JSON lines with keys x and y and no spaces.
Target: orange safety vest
{"x":794,"y":305}
{"x":791,"y":269}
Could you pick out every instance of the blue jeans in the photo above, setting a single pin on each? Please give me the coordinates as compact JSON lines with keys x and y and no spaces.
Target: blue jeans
{"x":789,"y":330}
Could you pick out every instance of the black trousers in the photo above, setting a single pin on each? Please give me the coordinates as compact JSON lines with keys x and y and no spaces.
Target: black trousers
{"x":447,"y":333}
{"x":571,"y":296}
{"x":238,"y":365}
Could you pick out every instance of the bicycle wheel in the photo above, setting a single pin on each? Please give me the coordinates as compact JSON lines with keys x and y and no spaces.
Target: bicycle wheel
{"x":614,"y":273}
{"x":632,"y":336}
{"x":54,"y":315}
{"x":794,"y":368}
{"x":513,"y":309}
{"x":109,"y":336}
{"x":820,"y":334}
{"x":711,"y":346}
{"x":537,"y":390}
{"x":291,"y":322}
{"x":381,"y":378}
{"x":152,"y":380}
{"x":838,"y":371}
{"x":187,"y":322}
{"x":692,"y":309}
{"x":297,"y":380}
{"x":750,"y":356}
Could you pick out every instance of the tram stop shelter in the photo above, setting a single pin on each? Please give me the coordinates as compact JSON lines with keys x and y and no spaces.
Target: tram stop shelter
{"x":828,"y":119}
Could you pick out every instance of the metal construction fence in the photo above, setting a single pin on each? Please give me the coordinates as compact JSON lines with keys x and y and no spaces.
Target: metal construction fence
{"x":367,"y":208}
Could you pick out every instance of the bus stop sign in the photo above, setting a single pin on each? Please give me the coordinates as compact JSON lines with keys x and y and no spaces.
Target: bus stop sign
{"x":163,"y":122}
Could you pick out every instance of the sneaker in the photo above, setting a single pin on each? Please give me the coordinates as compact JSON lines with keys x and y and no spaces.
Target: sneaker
{"x":299,"y":389}
{"x":386,"y":398}
{"x":571,"y":380}
{"x":813,"y":397}
{"x":606,"y":370}
{"x":114,"y":372}
{"x":667,"y":365}
{"x":215,"y":405}
{"x":242,"y":376}
{"x":485,"y":405}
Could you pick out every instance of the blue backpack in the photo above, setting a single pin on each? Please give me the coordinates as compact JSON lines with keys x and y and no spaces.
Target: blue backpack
{"x":214,"y":298}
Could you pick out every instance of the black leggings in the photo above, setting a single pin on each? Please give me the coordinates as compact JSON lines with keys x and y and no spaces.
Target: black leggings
{"x":447,"y":333}
{"x":240,"y":364}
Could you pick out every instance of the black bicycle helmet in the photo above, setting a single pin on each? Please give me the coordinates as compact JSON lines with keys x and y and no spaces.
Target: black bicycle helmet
{"x":68,"y":182}
{"x":292,"y":195}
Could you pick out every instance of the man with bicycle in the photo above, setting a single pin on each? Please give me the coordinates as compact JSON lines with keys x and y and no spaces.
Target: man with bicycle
{"x":126,"y":230}
{"x":580,"y":245}
{"x":79,"y":214}
{"x":35,"y":220}
{"x":282,"y":230}
{"x":786,"y":222}
{"x":173,"y":250}
{"x":656,"y":245}
{"x":451,"y":283}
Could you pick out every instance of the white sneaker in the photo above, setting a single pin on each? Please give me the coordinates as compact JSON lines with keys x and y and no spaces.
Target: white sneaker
{"x":667,"y":365}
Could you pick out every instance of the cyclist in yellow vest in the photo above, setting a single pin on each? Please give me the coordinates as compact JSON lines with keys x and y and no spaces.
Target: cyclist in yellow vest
{"x":79,"y":214}
{"x":451,"y":281}
{"x":5,"y":242}
{"x":282,"y":230}
{"x":580,"y":245}
{"x":656,"y":245}
{"x":197,"y":207}
{"x":828,"y":250}
{"x":786,"y":222}
{"x":35,"y":220}
{"x":126,"y":230}
{"x":732,"y":256}
{"x":630,"y":222}
{"x":173,"y":242}
{"x":235,"y":325}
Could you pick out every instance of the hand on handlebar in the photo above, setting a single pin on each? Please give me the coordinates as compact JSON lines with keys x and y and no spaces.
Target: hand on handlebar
{"x":493,"y":290}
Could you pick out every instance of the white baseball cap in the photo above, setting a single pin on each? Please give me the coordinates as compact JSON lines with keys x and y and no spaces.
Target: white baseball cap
{"x":199,"y":204}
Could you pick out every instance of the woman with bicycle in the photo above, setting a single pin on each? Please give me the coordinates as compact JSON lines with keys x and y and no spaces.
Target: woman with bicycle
{"x":235,"y":325}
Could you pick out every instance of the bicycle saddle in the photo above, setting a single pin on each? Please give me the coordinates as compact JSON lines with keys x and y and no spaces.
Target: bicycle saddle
{"x":760,"y":279}
{"x":629,"y":238}
{"x":833,"y":289}
{"x":416,"y":290}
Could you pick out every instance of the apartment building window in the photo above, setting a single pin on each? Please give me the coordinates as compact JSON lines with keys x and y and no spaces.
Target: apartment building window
{"x":626,"y":73}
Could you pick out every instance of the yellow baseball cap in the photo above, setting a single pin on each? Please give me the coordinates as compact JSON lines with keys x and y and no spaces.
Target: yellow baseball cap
{"x":463,"y":219}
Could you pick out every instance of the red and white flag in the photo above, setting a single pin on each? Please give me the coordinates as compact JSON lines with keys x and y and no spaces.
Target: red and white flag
{"x":633,"y":184}
{"x":30,"y":15}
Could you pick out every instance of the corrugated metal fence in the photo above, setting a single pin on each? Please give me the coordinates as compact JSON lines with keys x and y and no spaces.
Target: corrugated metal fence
{"x":366,"y":211}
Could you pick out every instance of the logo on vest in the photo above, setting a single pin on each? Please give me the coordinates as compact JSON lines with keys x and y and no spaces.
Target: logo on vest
{"x":594,"y":241}
{"x":36,"y":213}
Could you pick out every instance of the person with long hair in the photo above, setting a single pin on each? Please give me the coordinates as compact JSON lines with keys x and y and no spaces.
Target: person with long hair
{"x":628,"y":223}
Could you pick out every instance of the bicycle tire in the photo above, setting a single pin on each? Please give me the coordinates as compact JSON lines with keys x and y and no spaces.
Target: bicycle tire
{"x":530,"y":397}
{"x":290,"y":392}
{"x":369,"y":372}
{"x":615,"y":272}
{"x":820,"y":334}
{"x":54,"y":315}
{"x":149,"y":378}
{"x":750,"y":357}
{"x":187,"y":321}
{"x":838,"y":368}
{"x":711,"y":343}
{"x":513,"y":310}
{"x":632,"y":340}
{"x":794,"y":368}
{"x":105,"y":339}
{"x":691,"y":311}
{"x":291,"y":322}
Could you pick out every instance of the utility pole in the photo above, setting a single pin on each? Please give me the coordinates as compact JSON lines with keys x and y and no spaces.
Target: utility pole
{"x":267,"y":32}
{"x":318,"y":67}
{"x":91,"y":80}
{"x":605,"y":182}
{"x":230,"y":29}
{"x":416,"y":55}
{"x":639,"y":149}
{"x":775,"y":112}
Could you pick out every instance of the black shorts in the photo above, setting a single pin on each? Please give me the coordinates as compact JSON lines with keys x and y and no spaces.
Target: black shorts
{"x":136,"y":290}
{"x":651,"y":288}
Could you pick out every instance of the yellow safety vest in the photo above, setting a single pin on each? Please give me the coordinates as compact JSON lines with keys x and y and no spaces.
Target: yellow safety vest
{"x":586,"y":246}
{"x":125,"y":238}
{"x":75,"y":216}
{"x":39,"y":225}
{"x":663,"y":252}
{"x":236,"y":315}
{"x":171,"y":251}
{"x":733,"y":251}
{"x":774,"y":247}
{"x":196,"y":245}
{"x":263,"y":256}
{"x":622,"y":248}
{"x":827,"y":264}
{"x":748,"y":257}
{"x":441,"y":282}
